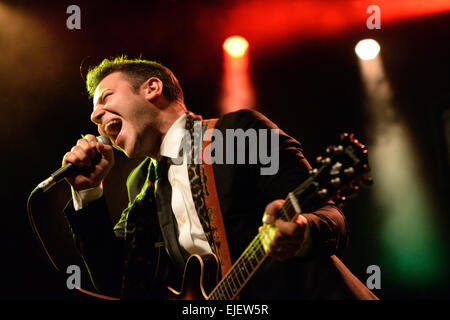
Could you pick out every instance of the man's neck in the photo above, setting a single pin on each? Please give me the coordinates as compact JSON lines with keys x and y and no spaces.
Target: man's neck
{"x":169,"y":115}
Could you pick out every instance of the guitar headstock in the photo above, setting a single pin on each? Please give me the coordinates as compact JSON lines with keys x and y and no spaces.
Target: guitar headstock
{"x":338,"y":175}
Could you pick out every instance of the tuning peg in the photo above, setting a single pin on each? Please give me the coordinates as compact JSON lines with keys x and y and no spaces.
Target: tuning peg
{"x":336,"y":168}
{"x":319,"y":159}
{"x":335,"y":181}
{"x":313,"y":171}
{"x":322,"y":192}
{"x":349,"y":171}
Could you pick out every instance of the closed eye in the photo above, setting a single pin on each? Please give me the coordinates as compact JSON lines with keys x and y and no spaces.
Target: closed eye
{"x":106,"y":96}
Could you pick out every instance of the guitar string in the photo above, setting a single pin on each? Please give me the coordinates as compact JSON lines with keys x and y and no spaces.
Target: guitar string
{"x":254,"y":245}
{"x":253,"y":250}
{"x":223,"y":285}
{"x":241,"y":263}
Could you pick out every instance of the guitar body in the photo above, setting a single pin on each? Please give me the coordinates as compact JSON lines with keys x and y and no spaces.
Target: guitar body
{"x":200,"y":276}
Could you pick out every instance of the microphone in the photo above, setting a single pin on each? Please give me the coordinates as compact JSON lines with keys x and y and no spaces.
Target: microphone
{"x":67,"y":170}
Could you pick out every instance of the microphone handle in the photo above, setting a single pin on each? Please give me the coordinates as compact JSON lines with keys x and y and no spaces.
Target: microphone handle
{"x":68,"y":169}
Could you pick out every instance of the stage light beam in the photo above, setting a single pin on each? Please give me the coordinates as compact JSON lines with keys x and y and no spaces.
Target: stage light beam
{"x":411,"y":238}
{"x":237,"y":87}
{"x":367,"y":49}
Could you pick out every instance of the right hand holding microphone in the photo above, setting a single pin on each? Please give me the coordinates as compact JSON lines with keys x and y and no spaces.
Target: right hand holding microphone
{"x":94,"y":158}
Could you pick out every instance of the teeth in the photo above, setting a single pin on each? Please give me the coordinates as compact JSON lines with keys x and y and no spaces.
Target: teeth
{"x":109,"y":124}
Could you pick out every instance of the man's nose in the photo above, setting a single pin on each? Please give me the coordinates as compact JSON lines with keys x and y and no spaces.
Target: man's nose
{"x":97,"y":114}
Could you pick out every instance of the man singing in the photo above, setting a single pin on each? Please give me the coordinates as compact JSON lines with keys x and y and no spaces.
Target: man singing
{"x":139,"y":106}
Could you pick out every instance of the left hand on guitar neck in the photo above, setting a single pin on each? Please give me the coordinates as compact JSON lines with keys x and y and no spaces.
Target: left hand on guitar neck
{"x":282,"y":239}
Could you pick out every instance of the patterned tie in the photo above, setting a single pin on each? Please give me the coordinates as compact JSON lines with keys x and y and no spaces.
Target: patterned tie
{"x":165,"y":214}
{"x":143,"y":240}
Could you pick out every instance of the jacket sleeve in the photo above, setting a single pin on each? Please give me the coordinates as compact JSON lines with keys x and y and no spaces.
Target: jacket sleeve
{"x":327,"y":224}
{"x":101,"y":250}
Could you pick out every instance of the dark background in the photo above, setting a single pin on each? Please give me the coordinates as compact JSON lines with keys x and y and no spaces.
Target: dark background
{"x":306,"y":82}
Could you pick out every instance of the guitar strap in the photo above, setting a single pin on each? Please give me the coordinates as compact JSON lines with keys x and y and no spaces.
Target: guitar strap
{"x":212,"y":200}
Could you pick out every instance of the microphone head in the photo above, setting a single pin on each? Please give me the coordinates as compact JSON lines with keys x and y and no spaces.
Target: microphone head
{"x":104,"y":140}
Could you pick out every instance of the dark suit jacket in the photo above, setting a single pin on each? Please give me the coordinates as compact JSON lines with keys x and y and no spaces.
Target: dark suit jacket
{"x":130,"y":261}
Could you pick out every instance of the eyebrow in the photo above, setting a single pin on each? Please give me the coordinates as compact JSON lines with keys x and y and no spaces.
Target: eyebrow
{"x":100,"y":96}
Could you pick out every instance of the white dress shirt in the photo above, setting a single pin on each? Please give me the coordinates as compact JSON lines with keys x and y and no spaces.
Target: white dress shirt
{"x":190,"y":231}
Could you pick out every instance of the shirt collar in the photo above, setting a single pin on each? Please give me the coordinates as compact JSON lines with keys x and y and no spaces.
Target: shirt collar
{"x":171,"y":143}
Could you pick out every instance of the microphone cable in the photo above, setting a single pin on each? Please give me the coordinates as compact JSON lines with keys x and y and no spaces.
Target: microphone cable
{"x":37,"y":191}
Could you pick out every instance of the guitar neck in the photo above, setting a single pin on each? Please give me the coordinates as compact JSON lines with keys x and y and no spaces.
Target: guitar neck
{"x":250,"y":260}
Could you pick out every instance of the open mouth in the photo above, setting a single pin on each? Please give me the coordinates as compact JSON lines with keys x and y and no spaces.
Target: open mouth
{"x":112,"y":128}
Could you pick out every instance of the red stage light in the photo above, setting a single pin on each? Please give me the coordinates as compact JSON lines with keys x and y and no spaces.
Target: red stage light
{"x":237,"y":88}
{"x":270,"y":25}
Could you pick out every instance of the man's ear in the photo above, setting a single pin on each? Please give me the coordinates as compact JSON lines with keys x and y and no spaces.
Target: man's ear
{"x":153,"y":88}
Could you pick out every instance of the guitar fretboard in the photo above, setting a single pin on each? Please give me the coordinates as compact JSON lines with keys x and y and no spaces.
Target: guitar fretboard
{"x":250,"y":260}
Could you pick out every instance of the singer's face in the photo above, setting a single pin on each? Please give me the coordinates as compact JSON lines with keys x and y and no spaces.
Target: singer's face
{"x":126,"y":116}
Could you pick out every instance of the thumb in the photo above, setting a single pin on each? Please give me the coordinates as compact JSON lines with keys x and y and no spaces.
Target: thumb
{"x":106,"y":151}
